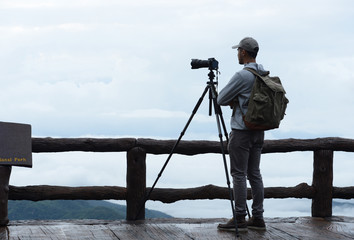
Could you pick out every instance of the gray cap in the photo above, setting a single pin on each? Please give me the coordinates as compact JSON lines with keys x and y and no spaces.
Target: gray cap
{"x":249,"y":44}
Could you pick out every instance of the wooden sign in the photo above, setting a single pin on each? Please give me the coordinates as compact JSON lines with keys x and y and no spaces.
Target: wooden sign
{"x":15,"y":144}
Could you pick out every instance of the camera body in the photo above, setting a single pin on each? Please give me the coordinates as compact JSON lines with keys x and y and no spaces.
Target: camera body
{"x":211,"y":63}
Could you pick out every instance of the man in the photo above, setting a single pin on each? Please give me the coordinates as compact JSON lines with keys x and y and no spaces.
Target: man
{"x":245,"y":146}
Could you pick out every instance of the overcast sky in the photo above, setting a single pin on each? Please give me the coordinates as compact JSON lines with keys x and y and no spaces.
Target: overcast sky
{"x":112,"y":68}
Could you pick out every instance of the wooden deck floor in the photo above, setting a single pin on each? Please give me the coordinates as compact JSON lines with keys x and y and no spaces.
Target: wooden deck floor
{"x":277,"y":228}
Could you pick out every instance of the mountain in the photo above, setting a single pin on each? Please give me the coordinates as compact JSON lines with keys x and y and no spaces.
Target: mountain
{"x":342,"y":204}
{"x":71,"y":209}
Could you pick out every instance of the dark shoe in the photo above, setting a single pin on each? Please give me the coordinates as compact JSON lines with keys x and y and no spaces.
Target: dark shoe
{"x":256,"y":223}
{"x":230,"y":225}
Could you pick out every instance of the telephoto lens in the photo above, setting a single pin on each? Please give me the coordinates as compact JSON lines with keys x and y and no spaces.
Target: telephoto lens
{"x":211,"y":63}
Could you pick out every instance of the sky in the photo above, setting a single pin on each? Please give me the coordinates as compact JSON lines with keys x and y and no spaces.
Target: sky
{"x":112,"y":68}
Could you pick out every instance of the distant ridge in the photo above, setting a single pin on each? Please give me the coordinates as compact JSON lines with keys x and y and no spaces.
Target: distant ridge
{"x":71,"y":209}
{"x":343,"y":204}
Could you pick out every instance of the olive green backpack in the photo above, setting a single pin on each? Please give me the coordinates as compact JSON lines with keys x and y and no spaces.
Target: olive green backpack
{"x":267,"y":103}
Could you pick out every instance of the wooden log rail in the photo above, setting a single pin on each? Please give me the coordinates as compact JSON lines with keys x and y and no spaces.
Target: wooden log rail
{"x":321,"y":191}
{"x":153,"y":146}
{"x":165,"y":195}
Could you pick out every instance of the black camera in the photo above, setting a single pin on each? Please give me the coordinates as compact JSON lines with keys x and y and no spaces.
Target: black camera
{"x":211,"y":63}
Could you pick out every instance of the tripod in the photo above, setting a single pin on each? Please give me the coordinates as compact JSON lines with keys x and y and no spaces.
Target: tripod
{"x":220,"y":124}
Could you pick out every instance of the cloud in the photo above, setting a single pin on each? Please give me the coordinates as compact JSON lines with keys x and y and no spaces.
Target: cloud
{"x":105,"y":59}
{"x":122,"y":68}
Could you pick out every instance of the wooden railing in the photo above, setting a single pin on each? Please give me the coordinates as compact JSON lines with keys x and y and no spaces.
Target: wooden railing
{"x":321,"y":191}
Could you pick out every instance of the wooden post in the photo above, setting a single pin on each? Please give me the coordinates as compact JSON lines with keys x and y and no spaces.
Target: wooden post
{"x":136,"y":183}
{"x":323,"y":183}
{"x":5,"y":172}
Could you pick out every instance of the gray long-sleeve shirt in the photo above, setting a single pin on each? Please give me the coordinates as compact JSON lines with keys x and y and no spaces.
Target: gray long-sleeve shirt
{"x":239,"y":89}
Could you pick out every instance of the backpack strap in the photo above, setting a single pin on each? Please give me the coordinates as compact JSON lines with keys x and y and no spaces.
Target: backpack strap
{"x":236,"y":102}
{"x":256,"y":73}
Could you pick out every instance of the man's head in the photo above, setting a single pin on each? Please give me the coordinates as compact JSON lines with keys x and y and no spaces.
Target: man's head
{"x":247,"y":50}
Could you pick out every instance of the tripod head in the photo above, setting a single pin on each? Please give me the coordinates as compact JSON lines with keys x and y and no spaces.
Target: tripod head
{"x":212,"y":88}
{"x":211,"y":75}
{"x":212,"y":64}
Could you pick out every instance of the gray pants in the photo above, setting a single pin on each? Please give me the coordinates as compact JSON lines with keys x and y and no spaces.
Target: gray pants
{"x":245,"y":154}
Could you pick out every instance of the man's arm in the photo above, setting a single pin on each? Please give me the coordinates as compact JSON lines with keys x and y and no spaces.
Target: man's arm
{"x":228,"y":94}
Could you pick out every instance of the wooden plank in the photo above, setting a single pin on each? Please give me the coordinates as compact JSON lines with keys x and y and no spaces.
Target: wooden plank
{"x":173,"y":229}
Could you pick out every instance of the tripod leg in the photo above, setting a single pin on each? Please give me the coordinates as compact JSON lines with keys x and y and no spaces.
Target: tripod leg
{"x":218,"y":111}
{"x":173,"y":149}
{"x":218,"y":117}
{"x":226,"y":172}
